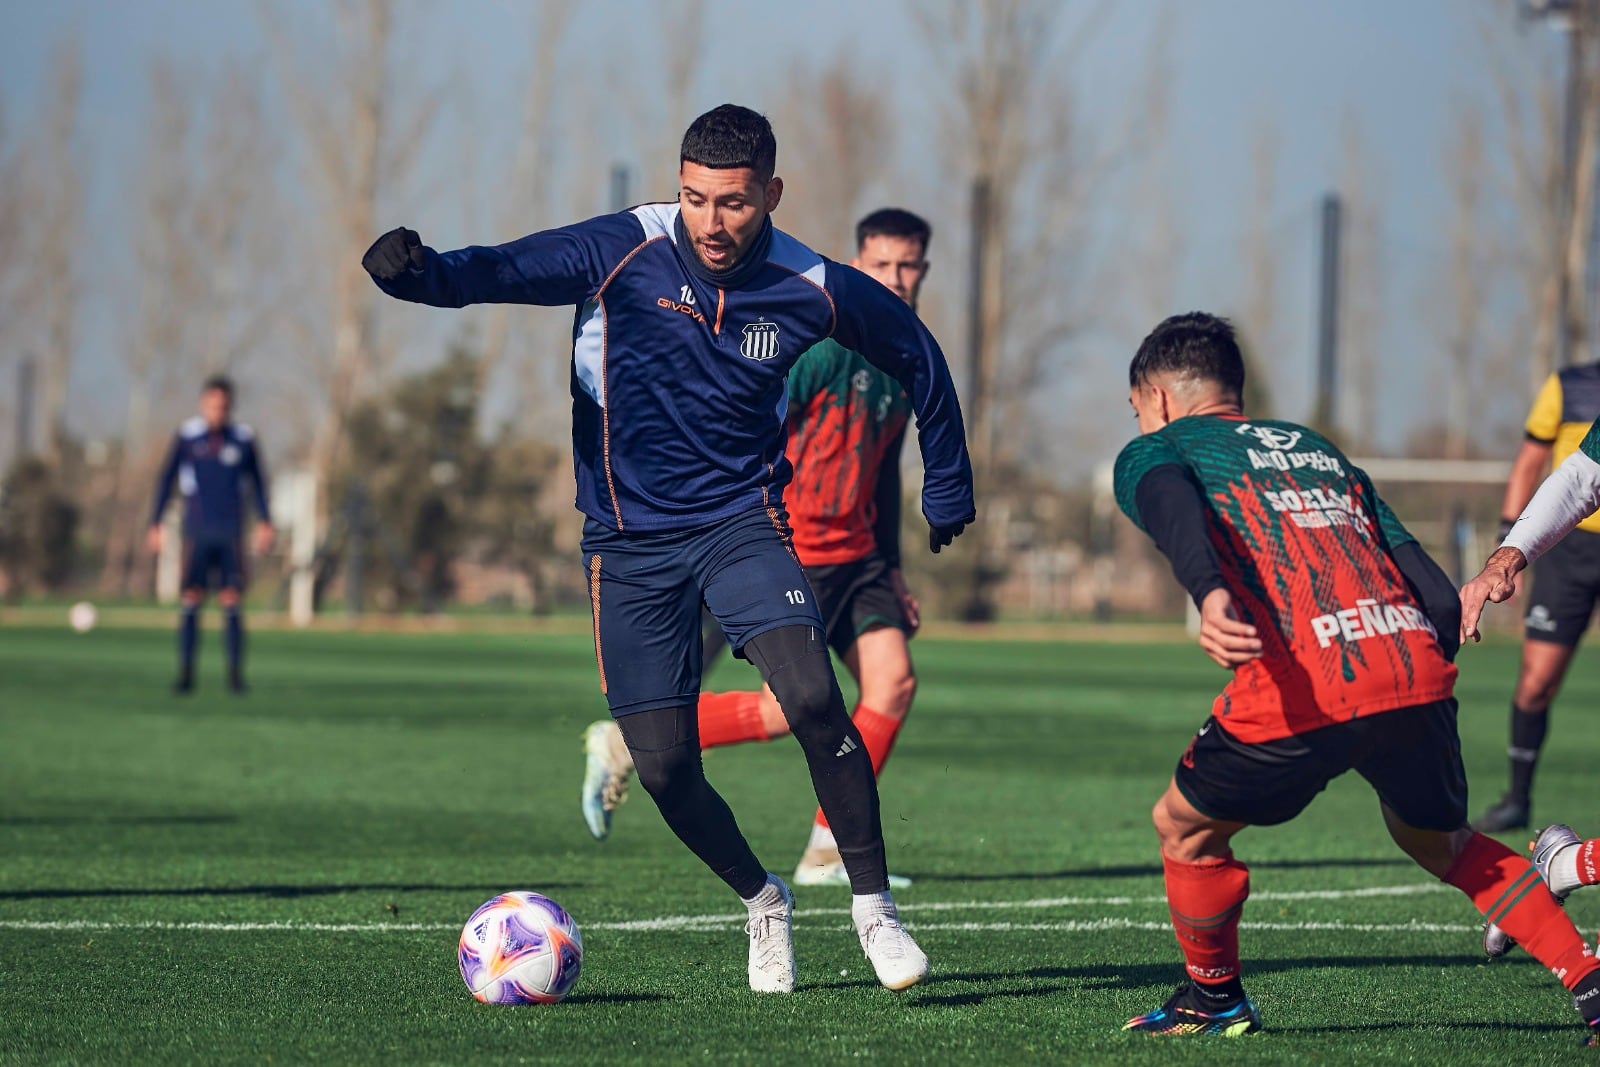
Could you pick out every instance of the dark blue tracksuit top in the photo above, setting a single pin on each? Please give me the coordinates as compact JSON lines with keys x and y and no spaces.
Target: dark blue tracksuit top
{"x":678,"y":373}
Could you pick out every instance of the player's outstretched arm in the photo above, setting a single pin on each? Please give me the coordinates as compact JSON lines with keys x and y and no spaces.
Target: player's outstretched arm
{"x":551,"y":268}
{"x":873,"y":321}
{"x":164,"y":483}
{"x":1494,"y":584}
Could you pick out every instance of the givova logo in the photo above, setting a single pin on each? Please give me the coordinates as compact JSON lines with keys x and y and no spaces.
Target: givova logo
{"x":760,"y":341}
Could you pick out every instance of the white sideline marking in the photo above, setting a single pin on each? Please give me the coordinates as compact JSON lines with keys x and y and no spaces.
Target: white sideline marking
{"x":711,"y":923}
{"x":725,"y":921}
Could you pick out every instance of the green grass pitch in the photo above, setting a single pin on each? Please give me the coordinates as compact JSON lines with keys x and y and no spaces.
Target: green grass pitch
{"x":331,"y":831}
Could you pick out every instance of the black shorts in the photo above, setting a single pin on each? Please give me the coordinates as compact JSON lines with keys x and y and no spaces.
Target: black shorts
{"x":853,"y":598}
{"x":213,"y":563}
{"x":1411,"y":756}
{"x":1566,"y":585}
{"x":646,"y":591}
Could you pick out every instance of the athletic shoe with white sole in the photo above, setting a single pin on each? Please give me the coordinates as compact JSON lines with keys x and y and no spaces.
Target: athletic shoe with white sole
{"x":1189,"y":1014}
{"x":771,"y":930}
{"x":834,"y":874}
{"x":1551,"y":840}
{"x":899,"y":963}
{"x":608,"y":768}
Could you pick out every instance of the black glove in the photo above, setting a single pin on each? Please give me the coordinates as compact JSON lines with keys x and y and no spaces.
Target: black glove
{"x":393,"y":254}
{"x":939,"y":536}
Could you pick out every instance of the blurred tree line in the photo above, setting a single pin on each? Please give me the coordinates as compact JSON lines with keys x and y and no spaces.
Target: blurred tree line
{"x":440,"y":466}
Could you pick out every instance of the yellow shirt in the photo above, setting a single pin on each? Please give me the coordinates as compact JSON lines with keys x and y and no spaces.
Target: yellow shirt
{"x":1567,"y":405}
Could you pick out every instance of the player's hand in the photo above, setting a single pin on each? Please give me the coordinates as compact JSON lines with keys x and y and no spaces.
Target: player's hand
{"x":1495,"y":584}
{"x":1228,"y":640}
{"x":393,"y":254}
{"x":940,"y":536}
{"x":265,"y":535}
{"x":908,"y":603}
{"x":153,"y":539}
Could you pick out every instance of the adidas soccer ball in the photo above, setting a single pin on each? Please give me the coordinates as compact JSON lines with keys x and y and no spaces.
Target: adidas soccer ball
{"x":520,"y":948}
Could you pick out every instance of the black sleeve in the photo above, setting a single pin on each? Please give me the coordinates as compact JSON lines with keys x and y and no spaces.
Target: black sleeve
{"x":1434,"y":591}
{"x":886,"y":501}
{"x":1174,"y":514}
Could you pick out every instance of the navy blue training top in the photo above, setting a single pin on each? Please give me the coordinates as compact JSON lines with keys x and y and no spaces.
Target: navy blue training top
{"x":679,"y":373}
{"x":210,"y":468}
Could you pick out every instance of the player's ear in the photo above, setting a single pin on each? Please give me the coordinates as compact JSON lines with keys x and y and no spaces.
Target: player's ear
{"x":774,"y":194}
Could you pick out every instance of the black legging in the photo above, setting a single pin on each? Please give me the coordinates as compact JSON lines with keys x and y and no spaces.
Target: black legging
{"x":665,"y":744}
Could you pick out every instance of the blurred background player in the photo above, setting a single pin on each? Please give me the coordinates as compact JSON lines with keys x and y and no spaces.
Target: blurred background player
{"x":688,"y":318}
{"x":1565,"y":587}
{"x":846,"y":425}
{"x":210,"y":460}
{"x":1339,"y":631}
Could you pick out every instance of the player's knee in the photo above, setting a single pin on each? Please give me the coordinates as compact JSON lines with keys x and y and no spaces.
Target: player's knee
{"x":191,"y":598}
{"x":808,"y":694}
{"x":1536,"y":691}
{"x":228,"y":598}
{"x":670,"y":774}
{"x":902,"y":691}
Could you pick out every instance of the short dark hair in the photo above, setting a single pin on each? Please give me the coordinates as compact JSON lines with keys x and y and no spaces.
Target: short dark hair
{"x":894,"y":222}
{"x":1193,"y":345}
{"x":219,"y":382}
{"x":730,"y":136}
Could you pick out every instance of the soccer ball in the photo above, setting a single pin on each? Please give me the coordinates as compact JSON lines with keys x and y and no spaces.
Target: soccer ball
{"x":82,"y":616}
{"x":520,"y":948}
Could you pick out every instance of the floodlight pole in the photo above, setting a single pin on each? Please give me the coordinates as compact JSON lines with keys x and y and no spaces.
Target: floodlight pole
{"x":1326,"y":410}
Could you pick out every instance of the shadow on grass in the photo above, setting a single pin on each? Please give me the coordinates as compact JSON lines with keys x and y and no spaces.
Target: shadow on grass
{"x":279,"y":891}
{"x":1355,"y":1028}
{"x":1140,"y":975}
{"x":614,"y":998}
{"x":1145,"y":870}
{"x":117,"y":820}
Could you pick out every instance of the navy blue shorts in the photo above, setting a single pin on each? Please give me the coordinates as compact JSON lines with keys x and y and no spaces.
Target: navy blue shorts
{"x":213,"y":563}
{"x":646,"y":591}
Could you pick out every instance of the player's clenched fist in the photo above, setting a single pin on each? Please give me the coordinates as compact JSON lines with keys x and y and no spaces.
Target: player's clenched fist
{"x":393,"y":254}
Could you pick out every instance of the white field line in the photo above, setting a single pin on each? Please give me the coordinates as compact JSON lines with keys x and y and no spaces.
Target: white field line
{"x":726,"y":921}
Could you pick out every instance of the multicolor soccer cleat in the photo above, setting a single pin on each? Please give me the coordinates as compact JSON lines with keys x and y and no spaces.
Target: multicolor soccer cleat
{"x":608,"y":768}
{"x":1185,"y":1015}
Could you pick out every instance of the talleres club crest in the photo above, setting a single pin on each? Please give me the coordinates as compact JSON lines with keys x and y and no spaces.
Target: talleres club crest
{"x":760,"y":341}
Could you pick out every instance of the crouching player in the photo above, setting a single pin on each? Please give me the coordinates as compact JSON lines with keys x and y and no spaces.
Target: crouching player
{"x":1339,"y":631}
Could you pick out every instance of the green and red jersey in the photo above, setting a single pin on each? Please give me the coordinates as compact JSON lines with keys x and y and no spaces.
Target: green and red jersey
{"x":1305,"y":547}
{"x":847,"y":420}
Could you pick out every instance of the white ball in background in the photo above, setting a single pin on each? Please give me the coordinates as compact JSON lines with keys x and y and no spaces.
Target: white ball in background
{"x":82,"y":616}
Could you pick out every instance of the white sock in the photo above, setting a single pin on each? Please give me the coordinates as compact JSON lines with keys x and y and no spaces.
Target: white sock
{"x":770,"y":898}
{"x":822,"y":838}
{"x":865,"y":907}
{"x":1564,"y":871}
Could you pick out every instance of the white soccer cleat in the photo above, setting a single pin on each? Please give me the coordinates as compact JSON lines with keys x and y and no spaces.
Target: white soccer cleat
{"x":833,"y":874}
{"x":899,"y":963}
{"x":771,"y":930}
{"x":608,"y":768}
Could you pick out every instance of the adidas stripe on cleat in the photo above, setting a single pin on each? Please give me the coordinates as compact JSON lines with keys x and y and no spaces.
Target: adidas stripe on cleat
{"x":1184,"y":1015}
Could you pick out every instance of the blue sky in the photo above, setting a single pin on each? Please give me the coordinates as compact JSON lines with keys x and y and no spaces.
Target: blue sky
{"x":1395,"y":67}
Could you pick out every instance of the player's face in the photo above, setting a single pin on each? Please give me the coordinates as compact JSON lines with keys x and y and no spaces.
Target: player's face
{"x":896,"y":262}
{"x":215,"y":407}
{"x":1150,"y":407}
{"x":723,"y":210}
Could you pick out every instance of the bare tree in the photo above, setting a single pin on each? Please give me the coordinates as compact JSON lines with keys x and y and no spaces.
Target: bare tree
{"x":357,"y":144}
{"x":1263,"y":260}
{"x":1465,"y":164}
{"x":1011,"y":130}
{"x":1363,"y":285}
{"x":525,"y":196}
{"x":836,"y":131}
{"x":57,"y":214}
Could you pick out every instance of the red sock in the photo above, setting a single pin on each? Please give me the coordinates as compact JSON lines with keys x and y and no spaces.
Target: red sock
{"x":1205,"y":900}
{"x":729,"y":718}
{"x":878,"y":732}
{"x":1508,"y":890}
{"x":1589,"y":862}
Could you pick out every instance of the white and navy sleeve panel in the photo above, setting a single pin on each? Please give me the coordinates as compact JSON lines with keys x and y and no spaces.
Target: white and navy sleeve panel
{"x":869,"y":319}
{"x":551,"y":268}
{"x":1570,"y":495}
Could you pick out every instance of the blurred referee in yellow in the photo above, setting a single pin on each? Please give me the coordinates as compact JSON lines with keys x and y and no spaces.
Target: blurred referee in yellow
{"x":1566,"y":583}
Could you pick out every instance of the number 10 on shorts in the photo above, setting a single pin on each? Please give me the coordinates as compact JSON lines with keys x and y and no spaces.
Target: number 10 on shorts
{"x":796,"y":596}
